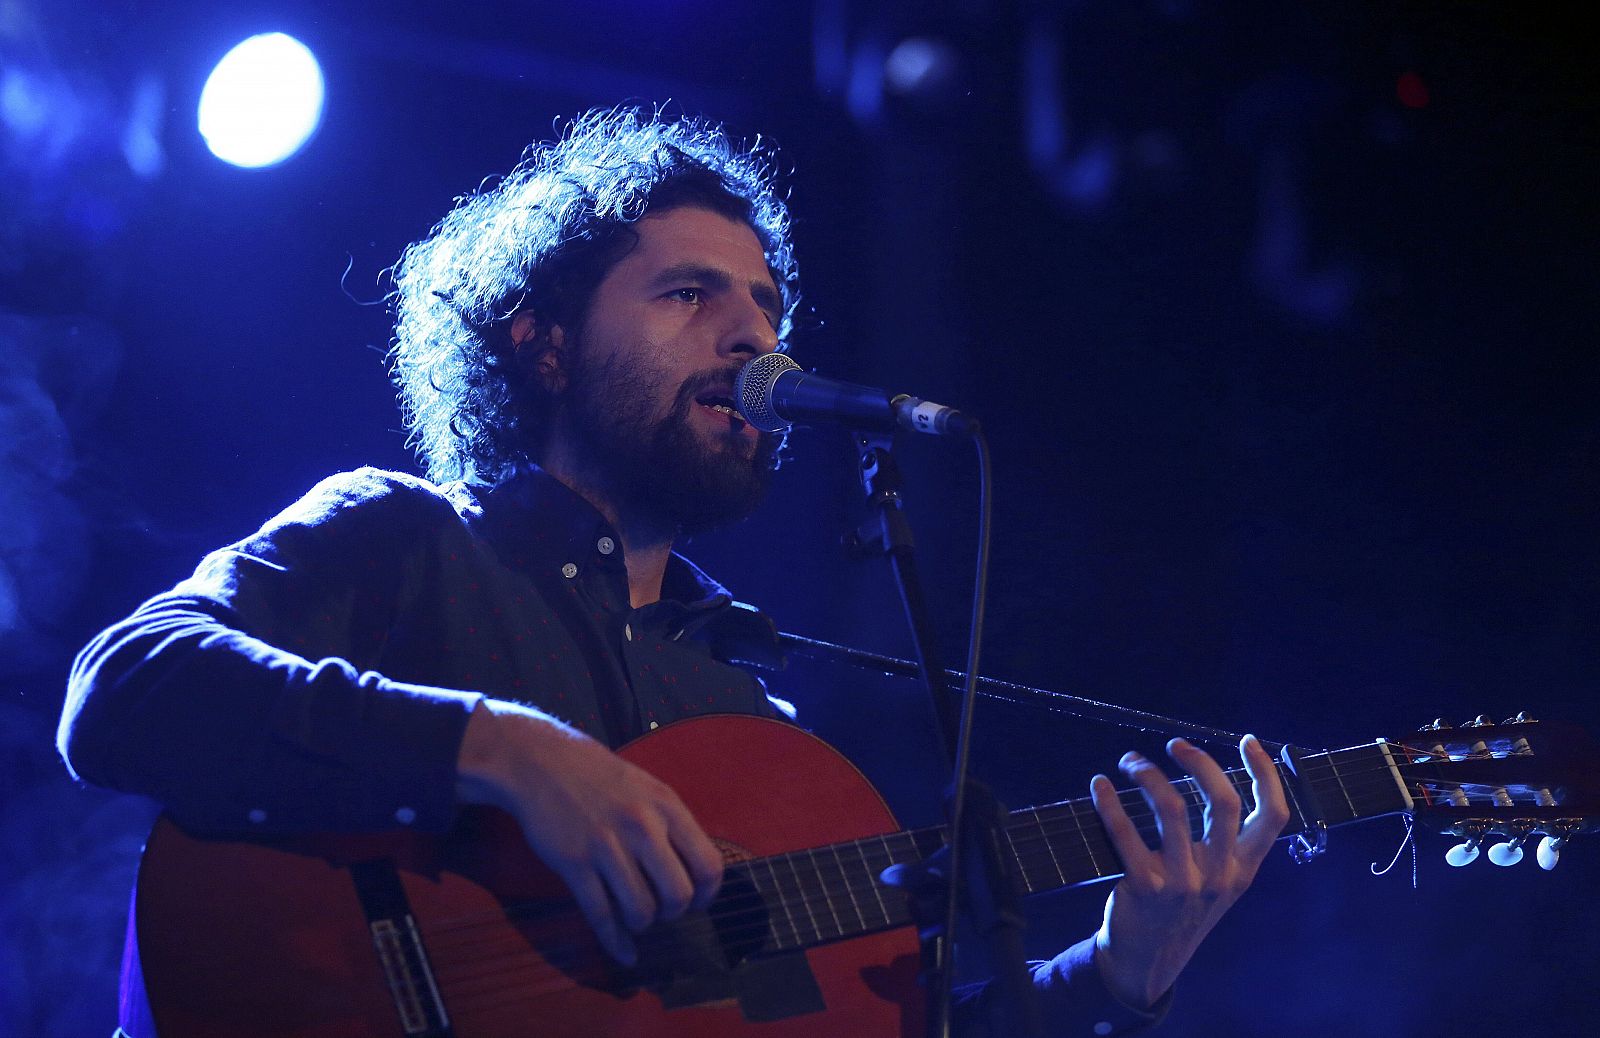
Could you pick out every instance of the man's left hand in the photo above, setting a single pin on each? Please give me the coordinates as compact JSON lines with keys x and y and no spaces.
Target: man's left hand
{"x":1169,"y":899}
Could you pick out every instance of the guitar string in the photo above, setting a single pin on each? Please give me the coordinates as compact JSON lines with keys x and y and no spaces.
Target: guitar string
{"x":1026,"y":843}
{"x":465,"y":986}
{"x":803,"y":902}
{"x":766,"y":922}
{"x":1133,"y":800}
{"x":765,"y":914}
{"x":1193,"y":797}
{"x":469,"y":991}
{"x":761,"y":926}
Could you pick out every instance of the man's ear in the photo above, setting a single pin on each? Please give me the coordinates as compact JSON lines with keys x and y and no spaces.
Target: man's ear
{"x":540,"y":350}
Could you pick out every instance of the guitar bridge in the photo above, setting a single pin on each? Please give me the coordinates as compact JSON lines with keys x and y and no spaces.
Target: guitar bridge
{"x":391,"y":946}
{"x":405,"y":964}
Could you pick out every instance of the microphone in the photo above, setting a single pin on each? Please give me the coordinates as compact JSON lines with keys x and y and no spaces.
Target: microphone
{"x":773,"y":392}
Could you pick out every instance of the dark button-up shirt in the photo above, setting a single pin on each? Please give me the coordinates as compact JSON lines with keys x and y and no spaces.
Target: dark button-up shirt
{"x":319,"y":674}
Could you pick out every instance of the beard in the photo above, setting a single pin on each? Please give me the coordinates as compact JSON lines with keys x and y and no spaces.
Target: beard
{"x":664,"y":468}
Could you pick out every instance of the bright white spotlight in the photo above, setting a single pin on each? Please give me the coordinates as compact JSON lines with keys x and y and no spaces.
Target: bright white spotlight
{"x":262,"y":101}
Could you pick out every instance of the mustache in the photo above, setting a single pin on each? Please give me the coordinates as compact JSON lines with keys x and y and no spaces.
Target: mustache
{"x":703,"y":382}
{"x":769,"y":446}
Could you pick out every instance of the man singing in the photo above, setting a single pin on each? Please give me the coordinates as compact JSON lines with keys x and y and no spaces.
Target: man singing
{"x":390,"y":648}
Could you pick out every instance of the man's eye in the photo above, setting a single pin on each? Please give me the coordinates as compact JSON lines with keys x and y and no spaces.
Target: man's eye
{"x":688,"y":295}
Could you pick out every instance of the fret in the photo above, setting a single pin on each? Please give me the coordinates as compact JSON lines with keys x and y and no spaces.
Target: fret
{"x":1367,"y":776}
{"x":1243,"y":785}
{"x":1189,"y":789}
{"x":1286,"y":779}
{"x":1333,"y":769}
{"x":804,"y":900}
{"x":896,"y":909}
{"x":1017,"y":859}
{"x":924,"y":843}
{"x":1143,"y":818}
{"x":1096,"y":840}
{"x":1039,"y":867}
{"x":1388,"y":791}
{"x":849,"y":886}
{"x":1049,"y":845}
{"x":827,"y":886}
{"x":772,"y":893}
{"x":872,"y":873}
{"x":1083,"y":833}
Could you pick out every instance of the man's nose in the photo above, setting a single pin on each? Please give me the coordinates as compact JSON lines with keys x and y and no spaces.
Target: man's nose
{"x":751,"y":335}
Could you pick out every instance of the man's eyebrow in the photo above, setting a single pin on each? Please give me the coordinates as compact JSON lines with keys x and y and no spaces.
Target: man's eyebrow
{"x":763,"y":292}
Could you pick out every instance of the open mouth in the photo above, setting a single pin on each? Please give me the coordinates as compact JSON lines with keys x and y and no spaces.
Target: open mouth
{"x":721,"y":403}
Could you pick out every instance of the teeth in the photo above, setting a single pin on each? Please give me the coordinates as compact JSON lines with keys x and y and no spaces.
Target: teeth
{"x":724,"y":408}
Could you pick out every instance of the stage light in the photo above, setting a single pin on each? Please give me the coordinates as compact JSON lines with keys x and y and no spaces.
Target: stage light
{"x":262,"y":102}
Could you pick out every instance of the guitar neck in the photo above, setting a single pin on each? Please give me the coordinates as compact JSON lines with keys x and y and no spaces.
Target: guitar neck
{"x":828,"y":893}
{"x":1065,"y":844}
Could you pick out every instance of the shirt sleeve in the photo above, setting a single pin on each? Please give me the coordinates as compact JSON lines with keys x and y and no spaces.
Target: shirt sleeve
{"x":236,"y":700}
{"x":1073,"y":1002}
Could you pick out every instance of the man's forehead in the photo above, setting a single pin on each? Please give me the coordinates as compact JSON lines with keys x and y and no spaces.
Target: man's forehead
{"x":693,"y":234}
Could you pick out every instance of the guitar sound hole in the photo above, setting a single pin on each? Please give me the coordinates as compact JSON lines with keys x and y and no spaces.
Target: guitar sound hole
{"x":740,"y":916}
{"x":703,"y":945}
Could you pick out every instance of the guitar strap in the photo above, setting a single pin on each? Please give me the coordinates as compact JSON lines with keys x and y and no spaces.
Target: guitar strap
{"x":1017,"y":694}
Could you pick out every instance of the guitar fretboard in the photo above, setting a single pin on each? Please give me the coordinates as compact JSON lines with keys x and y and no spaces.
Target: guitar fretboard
{"x":829,"y":893}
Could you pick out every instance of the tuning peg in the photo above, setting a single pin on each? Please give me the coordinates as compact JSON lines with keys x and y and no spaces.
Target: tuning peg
{"x":1481,"y":721}
{"x":1439,"y":725}
{"x":1464,"y":853}
{"x":1506,"y":854}
{"x":1521,"y":718}
{"x":1549,"y":852}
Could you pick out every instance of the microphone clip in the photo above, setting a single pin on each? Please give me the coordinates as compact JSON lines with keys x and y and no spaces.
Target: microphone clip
{"x":884,"y":531}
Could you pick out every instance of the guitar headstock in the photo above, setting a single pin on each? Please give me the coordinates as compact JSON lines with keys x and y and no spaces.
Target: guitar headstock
{"x":1503,"y":785}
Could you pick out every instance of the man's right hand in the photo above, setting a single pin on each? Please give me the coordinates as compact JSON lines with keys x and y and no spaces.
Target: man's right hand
{"x":624,"y":843}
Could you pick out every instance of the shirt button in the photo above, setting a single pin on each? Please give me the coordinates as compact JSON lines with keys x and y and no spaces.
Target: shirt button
{"x":256,"y":815}
{"x":405,"y":816}
{"x":654,"y":725}
{"x":627,"y":631}
{"x":606,"y":545}
{"x":570,"y":570}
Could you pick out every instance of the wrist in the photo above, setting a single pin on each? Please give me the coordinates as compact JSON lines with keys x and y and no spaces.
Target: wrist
{"x":485,"y":762}
{"x":1132,"y":991}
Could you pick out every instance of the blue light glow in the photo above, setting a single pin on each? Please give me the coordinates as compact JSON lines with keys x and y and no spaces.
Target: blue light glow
{"x":262,"y":101}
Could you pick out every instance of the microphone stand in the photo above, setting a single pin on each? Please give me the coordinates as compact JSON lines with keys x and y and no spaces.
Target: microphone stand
{"x":973,"y":869}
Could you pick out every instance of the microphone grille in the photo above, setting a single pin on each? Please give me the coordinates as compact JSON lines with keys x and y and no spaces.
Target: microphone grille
{"x":752,"y":390}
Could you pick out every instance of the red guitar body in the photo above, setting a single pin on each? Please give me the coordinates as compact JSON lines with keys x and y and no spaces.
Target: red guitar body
{"x":271,"y":939}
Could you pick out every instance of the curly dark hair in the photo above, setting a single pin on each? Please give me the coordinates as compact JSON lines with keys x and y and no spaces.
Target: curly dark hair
{"x":544,"y":237}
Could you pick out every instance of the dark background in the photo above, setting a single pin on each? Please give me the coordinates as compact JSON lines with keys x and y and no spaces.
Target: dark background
{"x":1279,"y":317}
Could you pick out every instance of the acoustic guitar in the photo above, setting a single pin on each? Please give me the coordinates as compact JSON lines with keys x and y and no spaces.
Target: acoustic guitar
{"x":469,"y":935}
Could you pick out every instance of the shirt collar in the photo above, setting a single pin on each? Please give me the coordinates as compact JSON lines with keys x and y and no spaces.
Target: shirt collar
{"x":543,"y":526}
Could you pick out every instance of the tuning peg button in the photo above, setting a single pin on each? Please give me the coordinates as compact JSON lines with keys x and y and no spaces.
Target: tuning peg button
{"x":1506,"y":854}
{"x":1464,"y":853}
{"x":1549,"y":852}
